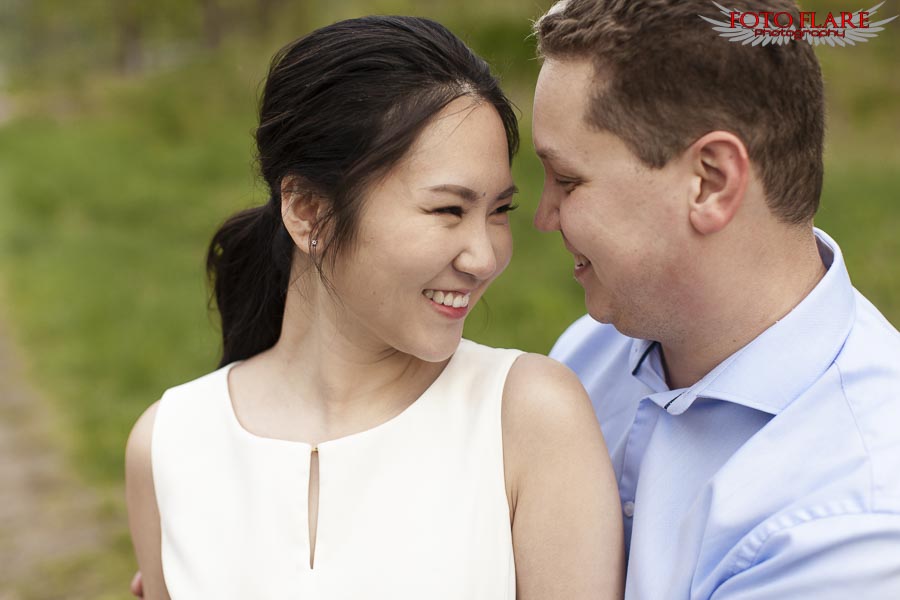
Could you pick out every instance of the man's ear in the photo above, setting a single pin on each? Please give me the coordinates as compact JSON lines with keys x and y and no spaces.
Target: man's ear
{"x":300,"y":211}
{"x":721,"y":166}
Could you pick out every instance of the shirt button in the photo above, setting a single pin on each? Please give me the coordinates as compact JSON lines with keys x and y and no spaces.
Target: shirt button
{"x":628,"y":509}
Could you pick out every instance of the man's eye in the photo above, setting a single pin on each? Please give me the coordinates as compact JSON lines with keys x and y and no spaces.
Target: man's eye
{"x":456,"y":211}
{"x":567,"y":184}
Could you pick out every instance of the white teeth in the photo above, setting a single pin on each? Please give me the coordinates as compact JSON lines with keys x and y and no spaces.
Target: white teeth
{"x":452,"y":299}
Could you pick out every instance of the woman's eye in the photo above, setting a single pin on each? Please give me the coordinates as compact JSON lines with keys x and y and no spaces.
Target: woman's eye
{"x":456,"y":211}
{"x":506,"y":208}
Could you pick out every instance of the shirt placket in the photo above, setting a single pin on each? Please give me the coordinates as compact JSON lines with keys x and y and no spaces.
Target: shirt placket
{"x":639,"y":435}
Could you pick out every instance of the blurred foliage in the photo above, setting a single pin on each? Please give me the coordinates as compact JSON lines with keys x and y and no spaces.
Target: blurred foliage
{"x":59,"y":42}
{"x":114,"y":174}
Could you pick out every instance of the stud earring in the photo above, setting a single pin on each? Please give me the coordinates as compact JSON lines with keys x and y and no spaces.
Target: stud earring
{"x":314,"y":243}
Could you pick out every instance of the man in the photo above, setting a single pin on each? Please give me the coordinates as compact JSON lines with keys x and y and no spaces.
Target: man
{"x":749,"y":395}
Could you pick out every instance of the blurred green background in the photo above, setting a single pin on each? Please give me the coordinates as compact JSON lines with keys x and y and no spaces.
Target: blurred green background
{"x":125,"y":140}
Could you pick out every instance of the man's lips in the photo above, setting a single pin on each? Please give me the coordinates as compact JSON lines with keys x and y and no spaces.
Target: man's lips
{"x":580,"y":259}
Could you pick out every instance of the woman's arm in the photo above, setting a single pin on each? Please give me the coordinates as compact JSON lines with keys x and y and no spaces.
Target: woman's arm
{"x":143,"y":514}
{"x":564,"y":503}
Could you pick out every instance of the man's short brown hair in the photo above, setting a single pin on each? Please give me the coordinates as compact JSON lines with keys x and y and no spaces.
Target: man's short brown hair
{"x":666,"y":78}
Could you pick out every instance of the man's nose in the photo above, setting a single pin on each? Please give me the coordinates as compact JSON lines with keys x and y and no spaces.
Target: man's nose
{"x":546,"y":217}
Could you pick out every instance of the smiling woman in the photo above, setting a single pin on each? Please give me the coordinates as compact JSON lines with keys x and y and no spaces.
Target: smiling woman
{"x":352,"y":444}
{"x":437,"y":222}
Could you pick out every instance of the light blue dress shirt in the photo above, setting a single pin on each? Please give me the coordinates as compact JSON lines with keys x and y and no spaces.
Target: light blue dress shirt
{"x":777,"y":475}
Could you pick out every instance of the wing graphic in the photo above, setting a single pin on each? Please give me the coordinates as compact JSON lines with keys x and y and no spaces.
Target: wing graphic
{"x":851,"y":35}
{"x":843,"y":36}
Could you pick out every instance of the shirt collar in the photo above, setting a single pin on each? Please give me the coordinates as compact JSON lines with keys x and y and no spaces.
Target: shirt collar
{"x":769,"y":372}
{"x":640,"y":351}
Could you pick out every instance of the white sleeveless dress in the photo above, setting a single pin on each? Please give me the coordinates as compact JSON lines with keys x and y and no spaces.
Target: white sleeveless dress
{"x":413,"y":509}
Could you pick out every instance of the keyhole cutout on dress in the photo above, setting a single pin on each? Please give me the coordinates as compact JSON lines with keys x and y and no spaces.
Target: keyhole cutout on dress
{"x":313,"y":503}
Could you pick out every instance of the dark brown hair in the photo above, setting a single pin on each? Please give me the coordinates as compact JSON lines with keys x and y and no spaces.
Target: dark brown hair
{"x":341,"y":106}
{"x":666,"y":78}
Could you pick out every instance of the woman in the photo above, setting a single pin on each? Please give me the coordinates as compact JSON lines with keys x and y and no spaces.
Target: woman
{"x":351,"y":444}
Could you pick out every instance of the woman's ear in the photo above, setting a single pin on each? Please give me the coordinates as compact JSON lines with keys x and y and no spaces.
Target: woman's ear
{"x":300,"y":211}
{"x":721,"y":165}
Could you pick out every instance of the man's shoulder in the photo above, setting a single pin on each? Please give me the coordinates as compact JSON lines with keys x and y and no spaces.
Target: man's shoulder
{"x":873,"y":326}
{"x":588,"y":337}
{"x":869,"y":360}
{"x":868,"y":373}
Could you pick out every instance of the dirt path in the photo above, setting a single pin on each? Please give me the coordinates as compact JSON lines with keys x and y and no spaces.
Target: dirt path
{"x":6,"y":105}
{"x":47,"y":516}
{"x":5,"y":109}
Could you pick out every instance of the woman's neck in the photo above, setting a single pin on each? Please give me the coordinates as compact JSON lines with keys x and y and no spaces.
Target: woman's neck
{"x":326,"y":377}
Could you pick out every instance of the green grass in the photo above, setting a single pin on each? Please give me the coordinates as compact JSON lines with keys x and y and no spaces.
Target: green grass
{"x":103,"y":266}
{"x":860,"y":210}
{"x":105,"y":214}
{"x":104,"y":219}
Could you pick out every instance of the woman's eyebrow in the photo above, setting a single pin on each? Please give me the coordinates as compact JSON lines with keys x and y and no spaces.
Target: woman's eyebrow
{"x":469,"y":194}
{"x":508,"y":192}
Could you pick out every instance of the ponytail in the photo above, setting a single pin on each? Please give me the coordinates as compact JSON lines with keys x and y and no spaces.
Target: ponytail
{"x":248,"y":265}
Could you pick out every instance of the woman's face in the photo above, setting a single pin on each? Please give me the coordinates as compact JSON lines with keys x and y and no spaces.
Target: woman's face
{"x":433,"y":234}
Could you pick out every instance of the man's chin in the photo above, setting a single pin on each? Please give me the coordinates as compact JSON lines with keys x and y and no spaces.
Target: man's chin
{"x":599,"y":313}
{"x":597,"y":301}
{"x":604,"y":315}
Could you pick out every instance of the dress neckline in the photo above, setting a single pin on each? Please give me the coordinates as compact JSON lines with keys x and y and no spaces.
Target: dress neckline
{"x":394,"y":421}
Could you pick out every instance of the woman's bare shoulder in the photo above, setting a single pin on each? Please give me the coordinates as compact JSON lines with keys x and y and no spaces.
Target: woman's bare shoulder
{"x":543,"y":392}
{"x":546,"y":415}
{"x":567,"y":532}
{"x":137,"y":450}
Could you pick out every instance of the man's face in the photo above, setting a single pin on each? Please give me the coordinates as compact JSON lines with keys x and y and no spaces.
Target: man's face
{"x":625,"y":224}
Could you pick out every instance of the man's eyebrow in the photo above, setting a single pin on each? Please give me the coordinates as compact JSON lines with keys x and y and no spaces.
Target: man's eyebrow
{"x":546,"y":153}
{"x":552,"y":156}
{"x":468,"y":194}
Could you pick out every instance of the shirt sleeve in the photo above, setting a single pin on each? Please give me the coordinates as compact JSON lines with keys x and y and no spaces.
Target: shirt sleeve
{"x":843,"y":557}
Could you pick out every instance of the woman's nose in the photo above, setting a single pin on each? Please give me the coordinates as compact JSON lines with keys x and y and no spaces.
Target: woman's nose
{"x":478,"y":256}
